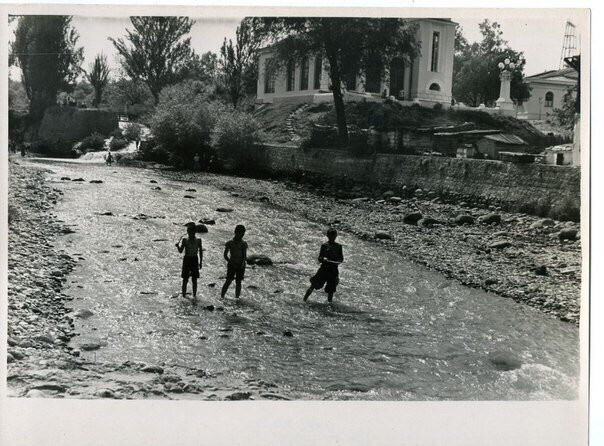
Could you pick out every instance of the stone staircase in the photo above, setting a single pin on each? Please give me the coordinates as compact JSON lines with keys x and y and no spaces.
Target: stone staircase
{"x":289,"y":122}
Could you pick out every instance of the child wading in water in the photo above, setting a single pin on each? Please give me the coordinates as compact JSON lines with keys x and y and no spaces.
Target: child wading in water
{"x":235,"y":253}
{"x":191,"y":245}
{"x":330,"y":256}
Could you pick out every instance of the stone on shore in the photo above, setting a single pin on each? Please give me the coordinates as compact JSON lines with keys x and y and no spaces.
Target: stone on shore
{"x":490,"y":219}
{"x":388,"y":194}
{"x":504,"y":361}
{"x":153,"y":369}
{"x":83,"y":314}
{"x":9,"y":358}
{"x":412,"y":218}
{"x":259,"y":259}
{"x":464,"y":219}
{"x":428,"y":222}
{"x":104,"y":393}
{"x":207,"y":221}
{"x":236,"y":396}
{"x":383,"y":235}
{"x":223,"y":209}
{"x":95,"y":181}
{"x":500,"y":244}
{"x":568,"y":234}
{"x":541,"y":270}
{"x":90,"y":346}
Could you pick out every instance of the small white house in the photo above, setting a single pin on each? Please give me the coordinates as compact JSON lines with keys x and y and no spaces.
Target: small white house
{"x":548,"y":90}
{"x":428,"y":79}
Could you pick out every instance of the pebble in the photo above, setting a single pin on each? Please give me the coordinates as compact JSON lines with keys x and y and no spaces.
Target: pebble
{"x":90,"y":346}
{"x":501,"y":244}
{"x":259,"y":259}
{"x":383,"y":235}
{"x":412,"y":218}
{"x":224,"y":209}
{"x":236,"y":396}
{"x":288,"y":334}
{"x":464,"y":219}
{"x":104,"y":393}
{"x":153,"y":369}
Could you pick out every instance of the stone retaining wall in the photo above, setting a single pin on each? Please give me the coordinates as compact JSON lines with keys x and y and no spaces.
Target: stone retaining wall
{"x":532,"y":188}
{"x":73,"y":124}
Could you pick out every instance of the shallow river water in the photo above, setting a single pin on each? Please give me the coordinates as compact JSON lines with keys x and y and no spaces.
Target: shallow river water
{"x":397,"y":331}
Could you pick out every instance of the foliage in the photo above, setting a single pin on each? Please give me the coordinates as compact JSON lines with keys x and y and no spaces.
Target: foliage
{"x":156,"y":51}
{"x":83,"y":93}
{"x":202,"y":68}
{"x":348,"y":44}
{"x":94,"y":142}
{"x":236,"y":130}
{"x":475,"y":71}
{"x":45,"y":50}
{"x":98,"y":76}
{"x":237,"y":63}
{"x":565,"y":116}
{"x":131,"y":96}
{"x":117,"y":143}
{"x":183,"y":120}
{"x":150,"y":150}
{"x":17,"y":97}
{"x":133,"y":132}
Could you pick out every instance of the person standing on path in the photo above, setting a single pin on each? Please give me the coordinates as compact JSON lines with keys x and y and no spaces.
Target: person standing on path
{"x":235,"y":253}
{"x":330,"y":256}
{"x":192,"y":247}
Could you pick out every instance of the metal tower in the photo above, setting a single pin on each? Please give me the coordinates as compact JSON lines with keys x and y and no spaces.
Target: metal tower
{"x":569,"y":45}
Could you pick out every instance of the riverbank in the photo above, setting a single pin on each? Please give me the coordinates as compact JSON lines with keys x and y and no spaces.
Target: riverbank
{"x":518,"y":256}
{"x":41,"y":360}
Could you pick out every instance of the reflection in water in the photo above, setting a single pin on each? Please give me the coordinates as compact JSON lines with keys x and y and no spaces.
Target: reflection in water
{"x":396,"y":330}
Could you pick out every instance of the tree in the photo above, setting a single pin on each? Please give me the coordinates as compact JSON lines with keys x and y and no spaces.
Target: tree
{"x":98,"y":76}
{"x":156,"y":51}
{"x":237,"y":63}
{"x":349,"y":45}
{"x":475,"y":71}
{"x":202,"y":68}
{"x":45,"y":50}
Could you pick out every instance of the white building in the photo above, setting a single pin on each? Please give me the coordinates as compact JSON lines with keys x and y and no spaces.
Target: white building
{"x":547,"y":91}
{"x":428,"y":79}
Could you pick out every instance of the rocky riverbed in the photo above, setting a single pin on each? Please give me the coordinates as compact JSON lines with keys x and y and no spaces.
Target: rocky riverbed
{"x":41,"y":361}
{"x":529,"y":259}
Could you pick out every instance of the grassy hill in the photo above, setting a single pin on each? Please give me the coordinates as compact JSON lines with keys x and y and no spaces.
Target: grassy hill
{"x":386,"y":116}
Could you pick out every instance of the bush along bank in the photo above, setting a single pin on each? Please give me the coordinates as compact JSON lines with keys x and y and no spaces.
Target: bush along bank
{"x":44,"y":356}
{"x":536,"y":261}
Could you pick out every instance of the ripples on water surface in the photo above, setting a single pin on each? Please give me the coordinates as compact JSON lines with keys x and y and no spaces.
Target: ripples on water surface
{"x":397,"y":330}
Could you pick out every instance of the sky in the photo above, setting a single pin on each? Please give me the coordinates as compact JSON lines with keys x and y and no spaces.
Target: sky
{"x":538,"y":35}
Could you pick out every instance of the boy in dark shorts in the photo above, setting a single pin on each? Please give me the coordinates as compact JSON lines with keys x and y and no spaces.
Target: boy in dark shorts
{"x":330,"y":256}
{"x":192,"y":247}
{"x":235,"y":253}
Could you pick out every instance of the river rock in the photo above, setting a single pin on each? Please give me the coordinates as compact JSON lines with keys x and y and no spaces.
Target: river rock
{"x":90,"y":346}
{"x":547,"y":222}
{"x":395,"y":200}
{"x":490,"y":281}
{"x":79,"y":179}
{"x":412,"y":218}
{"x":388,"y":194}
{"x":428,"y":222}
{"x":500,"y":244}
{"x":49,"y":339}
{"x":567,"y":234}
{"x":26,"y":344}
{"x":191,"y":190}
{"x":189,"y":196}
{"x":207,"y":221}
{"x":264,"y":199}
{"x":209,"y":307}
{"x":490,"y":219}
{"x":95,"y":181}
{"x":541,"y":270}
{"x":288,"y":334}
{"x":153,"y":369}
{"x":153,"y":182}
{"x":104,"y":393}
{"x":464,"y":219}
{"x":504,"y":361}
{"x":107,"y":214}
{"x":201,"y":228}
{"x":383,"y":235}
{"x":9,"y":358}
{"x":15,"y":353}
{"x":65,"y":179}
{"x":273,"y":396}
{"x":431,"y":195}
{"x":34,"y":393}
{"x":238,"y":396}
{"x":536,"y":225}
{"x":157,"y":188}
{"x":259,"y":259}
{"x":221,"y":209}
{"x":83,"y":314}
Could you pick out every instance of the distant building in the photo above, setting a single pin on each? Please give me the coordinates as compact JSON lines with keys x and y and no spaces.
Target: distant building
{"x":491,"y":145}
{"x":562,"y":155}
{"x":428,"y":79}
{"x":547,"y":91}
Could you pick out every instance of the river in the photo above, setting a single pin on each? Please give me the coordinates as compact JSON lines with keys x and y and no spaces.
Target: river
{"x":397,"y":331}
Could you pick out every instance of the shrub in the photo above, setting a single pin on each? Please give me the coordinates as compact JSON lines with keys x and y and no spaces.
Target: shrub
{"x":235,"y":130}
{"x":133,"y":132}
{"x":322,"y":137}
{"x":438,"y":106}
{"x":94,"y":142}
{"x":117,"y":133}
{"x":183,"y":120}
{"x":118,"y":143}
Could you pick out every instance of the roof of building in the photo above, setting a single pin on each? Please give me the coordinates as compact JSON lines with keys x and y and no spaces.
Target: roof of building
{"x":560,"y":148}
{"x":563,"y":75}
{"x":506,"y":139}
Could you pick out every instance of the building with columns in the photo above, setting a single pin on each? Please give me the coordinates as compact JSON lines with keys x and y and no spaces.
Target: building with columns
{"x":428,"y":79}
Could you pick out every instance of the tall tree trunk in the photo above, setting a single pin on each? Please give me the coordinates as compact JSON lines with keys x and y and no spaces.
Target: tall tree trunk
{"x":338,"y":97}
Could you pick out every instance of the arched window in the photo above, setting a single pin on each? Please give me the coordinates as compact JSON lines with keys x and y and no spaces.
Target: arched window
{"x":434,"y":87}
{"x":549,"y":99}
